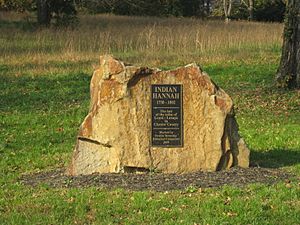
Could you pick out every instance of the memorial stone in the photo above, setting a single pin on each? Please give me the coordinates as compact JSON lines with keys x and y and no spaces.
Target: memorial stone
{"x":144,"y":119}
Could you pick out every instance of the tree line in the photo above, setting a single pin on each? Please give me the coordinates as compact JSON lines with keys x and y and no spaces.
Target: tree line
{"x":64,"y":11}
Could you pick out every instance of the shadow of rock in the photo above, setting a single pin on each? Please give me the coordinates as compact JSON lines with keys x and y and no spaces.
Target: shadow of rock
{"x":275,"y":158}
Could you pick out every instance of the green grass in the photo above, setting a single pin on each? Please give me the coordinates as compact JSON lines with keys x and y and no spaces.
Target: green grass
{"x":44,"y":96}
{"x":256,"y":204}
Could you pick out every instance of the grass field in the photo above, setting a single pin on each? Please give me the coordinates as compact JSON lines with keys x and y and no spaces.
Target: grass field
{"x":44,"y":96}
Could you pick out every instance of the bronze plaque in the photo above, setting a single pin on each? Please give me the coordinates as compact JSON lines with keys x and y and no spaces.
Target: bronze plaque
{"x":167,"y":114}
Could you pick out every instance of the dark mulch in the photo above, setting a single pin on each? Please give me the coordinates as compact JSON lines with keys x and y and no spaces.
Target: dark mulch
{"x":159,"y":182}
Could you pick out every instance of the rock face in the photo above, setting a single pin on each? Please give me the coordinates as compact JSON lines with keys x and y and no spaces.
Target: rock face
{"x":116,"y":134}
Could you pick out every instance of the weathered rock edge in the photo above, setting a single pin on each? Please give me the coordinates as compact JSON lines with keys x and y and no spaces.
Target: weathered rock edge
{"x":115,"y":135}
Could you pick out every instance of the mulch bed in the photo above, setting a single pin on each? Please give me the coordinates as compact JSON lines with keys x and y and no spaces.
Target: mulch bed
{"x":159,"y":182}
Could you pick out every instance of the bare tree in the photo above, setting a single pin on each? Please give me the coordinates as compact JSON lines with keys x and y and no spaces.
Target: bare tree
{"x":227,"y":6}
{"x":43,"y":12}
{"x":288,"y":73}
{"x":208,"y":5}
{"x":250,"y":7}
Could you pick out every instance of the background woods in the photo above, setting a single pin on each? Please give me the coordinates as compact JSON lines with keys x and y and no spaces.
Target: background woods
{"x":261,"y":10}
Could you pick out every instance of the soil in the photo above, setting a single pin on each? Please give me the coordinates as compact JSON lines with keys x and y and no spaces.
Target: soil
{"x":159,"y":182}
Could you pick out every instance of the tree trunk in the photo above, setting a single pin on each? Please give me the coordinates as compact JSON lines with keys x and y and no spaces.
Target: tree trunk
{"x":288,"y":73}
{"x":43,"y":12}
{"x":250,"y":7}
{"x":251,"y":3}
{"x":207,"y":7}
{"x":201,"y":11}
{"x":227,"y":4}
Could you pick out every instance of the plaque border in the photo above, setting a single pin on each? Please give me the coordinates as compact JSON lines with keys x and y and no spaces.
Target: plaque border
{"x":181,"y":120}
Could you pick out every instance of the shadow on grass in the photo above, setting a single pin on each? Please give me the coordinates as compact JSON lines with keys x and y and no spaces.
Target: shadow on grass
{"x":24,"y":25}
{"x":275,"y":158}
{"x":29,"y":94}
{"x":57,"y":64}
{"x":240,"y":77}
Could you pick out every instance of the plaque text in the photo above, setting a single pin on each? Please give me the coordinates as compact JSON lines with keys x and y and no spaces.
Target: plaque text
{"x":167,"y":126}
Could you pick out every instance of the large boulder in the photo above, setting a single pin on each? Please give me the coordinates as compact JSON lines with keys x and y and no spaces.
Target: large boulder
{"x":115,"y":136}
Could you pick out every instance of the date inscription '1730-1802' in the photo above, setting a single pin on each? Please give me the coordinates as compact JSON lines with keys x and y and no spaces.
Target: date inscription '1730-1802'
{"x":167,"y":126}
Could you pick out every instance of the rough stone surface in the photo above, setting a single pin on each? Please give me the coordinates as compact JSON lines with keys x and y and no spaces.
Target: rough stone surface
{"x":115,"y":135}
